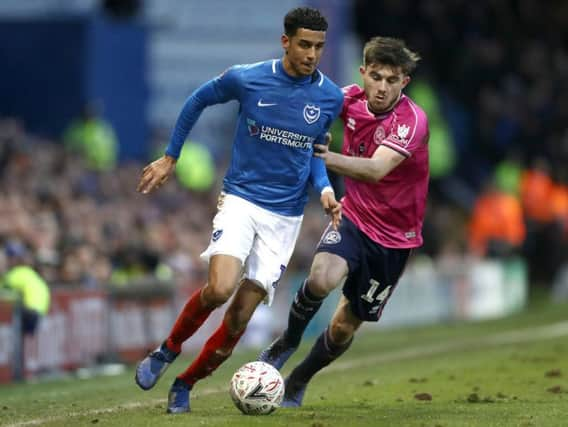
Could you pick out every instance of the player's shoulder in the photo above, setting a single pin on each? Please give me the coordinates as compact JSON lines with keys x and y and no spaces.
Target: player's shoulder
{"x":327,"y":91}
{"x":327,"y":85}
{"x":353,"y":91}
{"x":410,"y":110}
{"x":253,"y":70}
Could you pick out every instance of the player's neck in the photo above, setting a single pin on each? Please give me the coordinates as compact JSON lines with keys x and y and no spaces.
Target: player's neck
{"x":290,"y":71}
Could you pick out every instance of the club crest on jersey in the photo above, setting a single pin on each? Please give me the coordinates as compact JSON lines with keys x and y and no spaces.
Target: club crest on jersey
{"x":252,"y":127}
{"x":351,"y":123}
{"x":216,"y":235}
{"x":331,"y":238}
{"x":379,"y":135}
{"x":402,"y":131}
{"x":311,"y":113}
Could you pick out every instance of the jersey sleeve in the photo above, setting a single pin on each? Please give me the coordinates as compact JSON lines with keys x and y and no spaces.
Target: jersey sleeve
{"x":318,"y":172}
{"x":409,"y":130}
{"x":221,"y":89}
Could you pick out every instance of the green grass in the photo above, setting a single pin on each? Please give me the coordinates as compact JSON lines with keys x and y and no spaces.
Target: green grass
{"x":477,"y":374}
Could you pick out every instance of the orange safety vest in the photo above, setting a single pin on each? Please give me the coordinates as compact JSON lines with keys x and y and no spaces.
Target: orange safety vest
{"x":496,"y":216}
{"x":536,"y":189}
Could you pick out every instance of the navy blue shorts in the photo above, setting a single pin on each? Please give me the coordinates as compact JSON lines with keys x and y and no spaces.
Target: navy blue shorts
{"x":373,"y":269}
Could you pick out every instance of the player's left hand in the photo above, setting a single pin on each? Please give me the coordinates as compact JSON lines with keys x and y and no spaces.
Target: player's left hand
{"x":332,"y":207}
{"x":322,"y":151}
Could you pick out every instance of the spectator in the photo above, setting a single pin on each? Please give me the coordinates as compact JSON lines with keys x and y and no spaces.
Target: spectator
{"x":92,"y":138}
{"x":497,"y":228}
{"x":22,"y":278}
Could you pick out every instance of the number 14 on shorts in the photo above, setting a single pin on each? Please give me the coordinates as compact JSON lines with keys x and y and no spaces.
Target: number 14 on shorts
{"x":370,"y":296}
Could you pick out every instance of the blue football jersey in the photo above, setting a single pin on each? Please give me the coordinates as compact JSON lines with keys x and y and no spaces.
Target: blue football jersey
{"x":280,"y":118}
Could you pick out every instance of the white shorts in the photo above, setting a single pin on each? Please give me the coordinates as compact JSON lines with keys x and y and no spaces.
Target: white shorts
{"x":262,"y":240}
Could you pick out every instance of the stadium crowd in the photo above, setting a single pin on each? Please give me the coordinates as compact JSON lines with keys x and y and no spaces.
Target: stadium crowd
{"x":87,"y":228}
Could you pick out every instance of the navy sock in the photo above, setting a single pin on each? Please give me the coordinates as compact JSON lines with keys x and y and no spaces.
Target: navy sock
{"x":322,"y":354}
{"x":304,"y":307}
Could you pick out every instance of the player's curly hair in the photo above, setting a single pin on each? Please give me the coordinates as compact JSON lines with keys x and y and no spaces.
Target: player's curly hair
{"x":390,"y":51}
{"x":304,"y":17}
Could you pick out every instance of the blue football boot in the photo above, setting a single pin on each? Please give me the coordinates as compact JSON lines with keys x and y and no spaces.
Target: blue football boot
{"x":294,"y":393}
{"x":153,"y":366}
{"x":178,"y":397}
{"x":277,"y":353}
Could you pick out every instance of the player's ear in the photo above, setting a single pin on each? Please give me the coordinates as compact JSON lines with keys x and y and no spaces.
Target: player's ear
{"x":362,"y":70}
{"x":285,"y":40}
{"x":405,"y":81}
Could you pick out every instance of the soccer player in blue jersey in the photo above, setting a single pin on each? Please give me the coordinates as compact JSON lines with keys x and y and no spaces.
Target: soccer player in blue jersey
{"x":286,"y":106}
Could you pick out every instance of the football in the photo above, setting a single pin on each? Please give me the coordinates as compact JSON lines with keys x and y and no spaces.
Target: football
{"x":257,"y":388}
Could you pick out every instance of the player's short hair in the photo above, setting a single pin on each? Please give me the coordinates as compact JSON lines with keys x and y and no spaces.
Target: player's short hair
{"x":304,"y":17}
{"x":390,"y":51}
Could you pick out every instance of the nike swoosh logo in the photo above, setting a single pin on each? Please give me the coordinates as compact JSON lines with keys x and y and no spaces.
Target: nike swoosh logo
{"x":265,"y":104}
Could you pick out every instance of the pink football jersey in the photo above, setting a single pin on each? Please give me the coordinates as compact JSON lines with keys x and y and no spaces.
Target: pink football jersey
{"x":391,"y":211}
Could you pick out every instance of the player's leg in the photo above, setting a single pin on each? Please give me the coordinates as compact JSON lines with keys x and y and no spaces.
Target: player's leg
{"x":271,"y":249}
{"x":331,"y":344}
{"x":365,"y":293}
{"x":224,"y":273}
{"x":230,"y":245}
{"x":327,"y":271}
{"x":337,"y":254}
{"x":223,"y":276}
{"x":219,"y":346}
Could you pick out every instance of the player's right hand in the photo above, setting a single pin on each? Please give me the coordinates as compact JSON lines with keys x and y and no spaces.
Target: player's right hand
{"x":332,"y":207}
{"x":156,"y":173}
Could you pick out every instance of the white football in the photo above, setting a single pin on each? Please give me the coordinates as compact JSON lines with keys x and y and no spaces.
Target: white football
{"x":257,"y":388}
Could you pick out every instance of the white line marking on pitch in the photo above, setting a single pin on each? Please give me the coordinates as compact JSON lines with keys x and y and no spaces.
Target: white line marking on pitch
{"x":502,"y":338}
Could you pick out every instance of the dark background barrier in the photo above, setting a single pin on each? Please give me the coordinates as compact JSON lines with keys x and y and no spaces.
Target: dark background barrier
{"x":51,"y":68}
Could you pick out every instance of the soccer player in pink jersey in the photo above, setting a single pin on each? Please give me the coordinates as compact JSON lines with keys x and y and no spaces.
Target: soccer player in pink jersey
{"x":385,"y":164}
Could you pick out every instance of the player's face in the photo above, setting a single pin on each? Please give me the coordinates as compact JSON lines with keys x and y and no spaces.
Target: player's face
{"x":383,"y":85}
{"x":303,"y":51}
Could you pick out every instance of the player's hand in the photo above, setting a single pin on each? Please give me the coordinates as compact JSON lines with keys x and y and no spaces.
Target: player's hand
{"x":156,"y":173}
{"x":322,"y":151}
{"x":332,"y":207}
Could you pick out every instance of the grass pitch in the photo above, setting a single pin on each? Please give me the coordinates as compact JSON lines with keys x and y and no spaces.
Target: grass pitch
{"x":509,"y":372}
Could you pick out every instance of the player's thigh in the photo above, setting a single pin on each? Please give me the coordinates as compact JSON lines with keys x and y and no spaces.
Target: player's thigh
{"x":326,"y":273}
{"x":371,"y":285}
{"x":344,"y":322}
{"x":223,"y":277}
{"x":233,"y":229}
{"x":338,"y":253}
{"x":242,"y":307}
{"x":271,"y":251}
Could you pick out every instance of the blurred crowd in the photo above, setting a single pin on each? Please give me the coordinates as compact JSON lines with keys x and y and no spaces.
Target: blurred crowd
{"x":86,"y":227}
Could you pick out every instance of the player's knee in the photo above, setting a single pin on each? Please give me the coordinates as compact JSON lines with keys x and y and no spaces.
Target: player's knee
{"x":320,"y":283}
{"x":341,"y":332}
{"x":215,"y":295}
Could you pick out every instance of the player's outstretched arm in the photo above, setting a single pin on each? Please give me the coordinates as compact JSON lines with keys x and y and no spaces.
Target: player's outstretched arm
{"x":156,"y":173}
{"x":384,"y":160}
